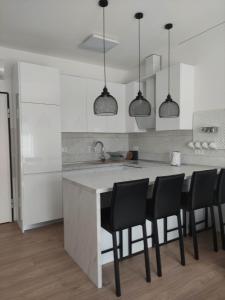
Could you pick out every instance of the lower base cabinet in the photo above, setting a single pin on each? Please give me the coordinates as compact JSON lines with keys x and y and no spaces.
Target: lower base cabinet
{"x":42,"y":198}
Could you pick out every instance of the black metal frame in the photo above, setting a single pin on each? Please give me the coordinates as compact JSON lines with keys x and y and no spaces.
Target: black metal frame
{"x":10,"y":150}
{"x":192,"y":228}
{"x":222,"y":224}
{"x":117,"y":260}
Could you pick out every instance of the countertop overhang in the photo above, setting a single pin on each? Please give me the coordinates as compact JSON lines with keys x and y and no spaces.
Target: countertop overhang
{"x":101,"y":180}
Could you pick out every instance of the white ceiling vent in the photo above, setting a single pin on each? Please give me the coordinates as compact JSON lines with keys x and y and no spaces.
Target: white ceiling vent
{"x":95,"y":43}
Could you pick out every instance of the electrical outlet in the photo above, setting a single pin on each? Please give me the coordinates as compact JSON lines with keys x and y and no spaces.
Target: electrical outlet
{"x":136,"y":148}
{"x":199,"y":151}
{"x":89,"y":149}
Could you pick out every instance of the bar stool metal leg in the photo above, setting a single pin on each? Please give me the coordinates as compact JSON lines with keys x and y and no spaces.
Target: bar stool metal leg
{"x":194,"y":234}
{"x":185,"y":222}
{"x":129,"y":241}
{"x":116,"y":266}
{"x":165,"y":230}
{"x":121,"y":244}
{"x":181,"y":241}
{"x":214,"y":229}
{"x":206,"y":219}
{"x":190,"y":226}
{"x":147,"y":263}
{"x":221,"y":226}
{"x":157,"y":249}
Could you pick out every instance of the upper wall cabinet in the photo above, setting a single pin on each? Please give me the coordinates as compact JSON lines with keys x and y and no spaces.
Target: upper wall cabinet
{"x":115,"y":123}
{"x":38,"y":84}
{"x":182,"y":91}
{"x":74,"y":110}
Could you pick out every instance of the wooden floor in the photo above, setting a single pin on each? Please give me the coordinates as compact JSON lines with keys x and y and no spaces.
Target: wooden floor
{"x":34,"y":266}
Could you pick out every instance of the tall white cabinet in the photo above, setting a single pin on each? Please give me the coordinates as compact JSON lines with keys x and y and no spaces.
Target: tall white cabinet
{"x":37,"y":98}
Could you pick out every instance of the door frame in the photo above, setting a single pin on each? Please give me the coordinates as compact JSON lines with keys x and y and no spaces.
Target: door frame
{"x":10,"y":152}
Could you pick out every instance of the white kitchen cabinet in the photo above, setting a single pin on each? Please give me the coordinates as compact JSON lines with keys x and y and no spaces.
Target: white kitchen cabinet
{"x":182,"y":91}
{"x":38,"y":84}
{"x":73,"y":104}
{"x":42,"y":198}
{"x":40,"y":138}
{"x":38,"y":193}
{"x":115,"y":123}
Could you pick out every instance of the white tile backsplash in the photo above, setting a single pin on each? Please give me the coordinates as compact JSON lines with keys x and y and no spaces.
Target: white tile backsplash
{"x":78,"y":147}
{"x":152,"y":145}
{"x":158,"y":146}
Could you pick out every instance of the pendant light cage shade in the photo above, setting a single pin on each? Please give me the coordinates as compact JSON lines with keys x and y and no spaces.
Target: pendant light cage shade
{"x":139,"y":107}
{"x":169,"y":109}
{"x":105,"y":104}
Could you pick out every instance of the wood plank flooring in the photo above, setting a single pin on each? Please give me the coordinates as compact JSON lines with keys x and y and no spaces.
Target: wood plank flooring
{"x":34,"y":265}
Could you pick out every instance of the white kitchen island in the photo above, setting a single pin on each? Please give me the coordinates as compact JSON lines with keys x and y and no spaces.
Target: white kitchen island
{"x":84,"y":239}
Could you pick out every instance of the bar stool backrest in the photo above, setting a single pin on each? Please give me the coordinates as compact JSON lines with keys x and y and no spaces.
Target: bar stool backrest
{"x":202,"y":188}
{"x":129,"y":204}
{"x":167,"y":195}
{"x":221,"y":187}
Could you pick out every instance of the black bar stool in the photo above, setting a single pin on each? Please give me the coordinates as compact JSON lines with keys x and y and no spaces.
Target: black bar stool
{"x":165,"y":202}
{"x":201,"y":195}
{"x":128,"y":209}
{"x":219,"y":200}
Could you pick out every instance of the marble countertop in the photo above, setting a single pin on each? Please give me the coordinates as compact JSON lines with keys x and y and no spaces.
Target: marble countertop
{"x":102,"y":179}
{"x":91,"y":164}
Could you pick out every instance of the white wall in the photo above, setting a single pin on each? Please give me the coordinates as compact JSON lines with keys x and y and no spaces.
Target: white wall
{"x":207,"y":53}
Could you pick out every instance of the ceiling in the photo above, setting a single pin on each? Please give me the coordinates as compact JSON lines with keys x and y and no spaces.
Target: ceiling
{"x":57,"y":27}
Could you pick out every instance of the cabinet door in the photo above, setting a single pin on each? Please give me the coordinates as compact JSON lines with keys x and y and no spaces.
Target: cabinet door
{"x":42,"y":198}
{"x":73,"y":104}
{"x":40,"y":137}
{"x":39,"y":84}
{"x":161,"y":94}
{"x":115,"y":123}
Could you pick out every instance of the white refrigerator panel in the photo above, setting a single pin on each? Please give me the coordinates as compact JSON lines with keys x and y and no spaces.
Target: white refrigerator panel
{"x":42,"y":198}
{"x":41,"y":138}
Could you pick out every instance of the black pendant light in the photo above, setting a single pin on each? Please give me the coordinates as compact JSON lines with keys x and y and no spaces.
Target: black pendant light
{"x":139,"y":107}
{"x":105,"y":104}
{"x":169,"y":108}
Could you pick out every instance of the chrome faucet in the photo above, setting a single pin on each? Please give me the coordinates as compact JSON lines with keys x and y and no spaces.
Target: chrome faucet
{"x":102,"y":153}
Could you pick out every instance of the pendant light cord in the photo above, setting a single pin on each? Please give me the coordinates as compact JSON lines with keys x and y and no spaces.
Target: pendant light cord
{"x":169,"y":62}
{"x":104,"y":45}
{"x":139,"y":50}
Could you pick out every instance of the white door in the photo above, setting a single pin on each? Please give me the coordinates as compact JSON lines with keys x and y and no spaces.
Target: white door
{"x":5,"y":192}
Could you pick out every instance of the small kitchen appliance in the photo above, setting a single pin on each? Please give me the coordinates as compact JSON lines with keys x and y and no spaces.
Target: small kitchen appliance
{"x":175,"y":158}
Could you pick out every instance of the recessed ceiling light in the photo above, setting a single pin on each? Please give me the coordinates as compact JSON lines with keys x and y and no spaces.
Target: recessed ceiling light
{"x":94,"y":42}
